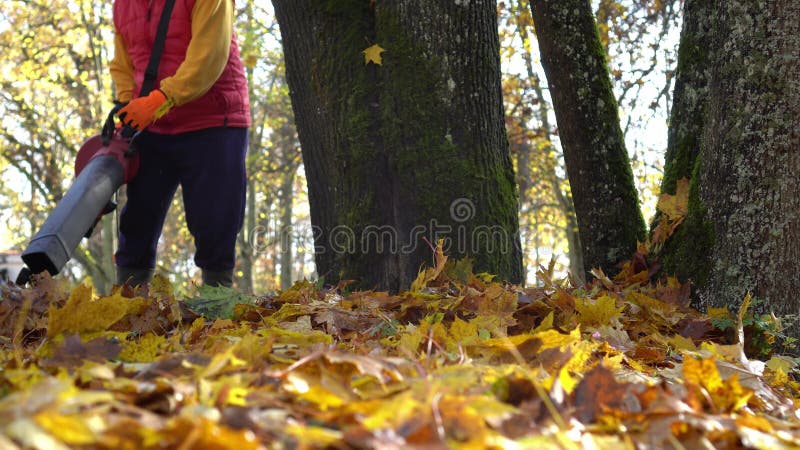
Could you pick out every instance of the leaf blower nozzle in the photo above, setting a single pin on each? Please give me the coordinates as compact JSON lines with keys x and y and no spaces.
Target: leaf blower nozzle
{"x":105,"y":162}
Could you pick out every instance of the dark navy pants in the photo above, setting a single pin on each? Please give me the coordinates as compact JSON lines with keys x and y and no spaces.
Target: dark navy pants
{"x":209,"y":165}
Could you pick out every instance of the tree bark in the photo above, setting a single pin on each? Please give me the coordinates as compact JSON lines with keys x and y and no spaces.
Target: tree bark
{"x":749,"y":170}
{"x":606,"y":204}
{"x":413,"y":148}
{"x":686,"y":253}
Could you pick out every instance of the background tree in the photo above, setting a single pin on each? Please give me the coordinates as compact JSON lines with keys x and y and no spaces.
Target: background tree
{"x":398,"y":144}
{"x":605,"y":198}
{"x":271,"y":229}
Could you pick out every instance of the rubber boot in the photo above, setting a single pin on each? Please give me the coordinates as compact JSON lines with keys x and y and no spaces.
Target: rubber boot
{"x":218,"y":277}
{"x":134,"y":277}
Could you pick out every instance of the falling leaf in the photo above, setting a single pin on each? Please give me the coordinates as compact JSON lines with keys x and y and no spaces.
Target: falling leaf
{"x":372,"y":54}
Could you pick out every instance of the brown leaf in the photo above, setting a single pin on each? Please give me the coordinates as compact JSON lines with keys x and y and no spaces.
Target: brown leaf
{"x":695,"y":328}
{"x":597,"y":392}
{"x":337,"y":320}
{"x":72,"y":352}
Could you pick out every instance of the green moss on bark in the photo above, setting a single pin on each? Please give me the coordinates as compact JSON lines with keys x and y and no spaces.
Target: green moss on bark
{"x":438,"y":160}
{"x":687,"y":253}
{"x":687,"y":117}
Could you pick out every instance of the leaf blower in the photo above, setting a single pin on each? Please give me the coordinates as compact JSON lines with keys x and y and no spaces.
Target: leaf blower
{"x":104,"y":163}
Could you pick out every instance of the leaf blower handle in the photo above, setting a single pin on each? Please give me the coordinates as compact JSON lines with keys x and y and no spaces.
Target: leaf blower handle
{"x":110,"y":128}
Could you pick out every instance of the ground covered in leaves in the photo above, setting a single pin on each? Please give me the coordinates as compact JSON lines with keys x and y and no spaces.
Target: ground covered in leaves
{"x":458,"y":361}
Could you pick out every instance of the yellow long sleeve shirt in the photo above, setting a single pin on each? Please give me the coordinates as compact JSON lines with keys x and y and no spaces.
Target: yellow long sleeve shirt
{"x":206,"y":56}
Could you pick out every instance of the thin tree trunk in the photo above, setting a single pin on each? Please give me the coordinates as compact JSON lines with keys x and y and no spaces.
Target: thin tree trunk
{"x":600,"y":176}
{"x":246,"y":244}
{"x":285,"y":204}
{"x":413,"y":148}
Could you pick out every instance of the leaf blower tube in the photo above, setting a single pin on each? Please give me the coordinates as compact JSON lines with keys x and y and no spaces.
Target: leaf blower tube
{"x":104,"y":163}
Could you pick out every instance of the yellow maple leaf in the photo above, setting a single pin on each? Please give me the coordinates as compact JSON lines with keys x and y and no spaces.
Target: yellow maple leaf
{"x":728,"y":395}
{"x":679,"y":342}
{"x":675,"y":206}
{"x":373,"y":54}
{"x":147,"y":349}
{"x":598,"y":312}
{"x":306,"y":387}
{"x":83,"y":314}
{"x":310,"y":436}
{"x":780,"y":363}
{"x":702,"y":372}
{"x":465,"y":333}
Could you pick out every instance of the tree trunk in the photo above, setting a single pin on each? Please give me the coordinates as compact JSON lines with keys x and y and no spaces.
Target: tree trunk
{"x":749,"y":174}
{"x":686,"y":253}
{"x":605,"y":198}
{"x":247,"y":246}
{"x":414,"y":148}
{"x":285,"y":203}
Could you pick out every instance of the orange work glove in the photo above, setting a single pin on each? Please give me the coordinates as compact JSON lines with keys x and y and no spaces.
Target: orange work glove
{"x":141,"y":112}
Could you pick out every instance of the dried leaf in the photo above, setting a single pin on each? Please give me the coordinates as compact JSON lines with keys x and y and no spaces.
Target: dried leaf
{"x":372,"y":54}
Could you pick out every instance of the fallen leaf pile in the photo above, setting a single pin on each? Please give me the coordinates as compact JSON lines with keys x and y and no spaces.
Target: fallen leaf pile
{"x":458,"y":361}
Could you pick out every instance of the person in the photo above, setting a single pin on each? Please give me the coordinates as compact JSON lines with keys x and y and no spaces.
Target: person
{"x":193,"y":133}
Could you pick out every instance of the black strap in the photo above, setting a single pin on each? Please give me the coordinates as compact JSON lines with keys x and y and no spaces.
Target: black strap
{"x":151,"y":73}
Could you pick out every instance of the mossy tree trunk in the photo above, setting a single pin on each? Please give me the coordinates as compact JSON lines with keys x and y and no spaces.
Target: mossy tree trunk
{"x":746,"y":188}
{"x":686,"y":253}
{"x":409,"y":150}
{"x":603,"y":192}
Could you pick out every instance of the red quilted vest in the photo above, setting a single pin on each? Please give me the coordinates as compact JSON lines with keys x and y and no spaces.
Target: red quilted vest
{"x":225,"y":104}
